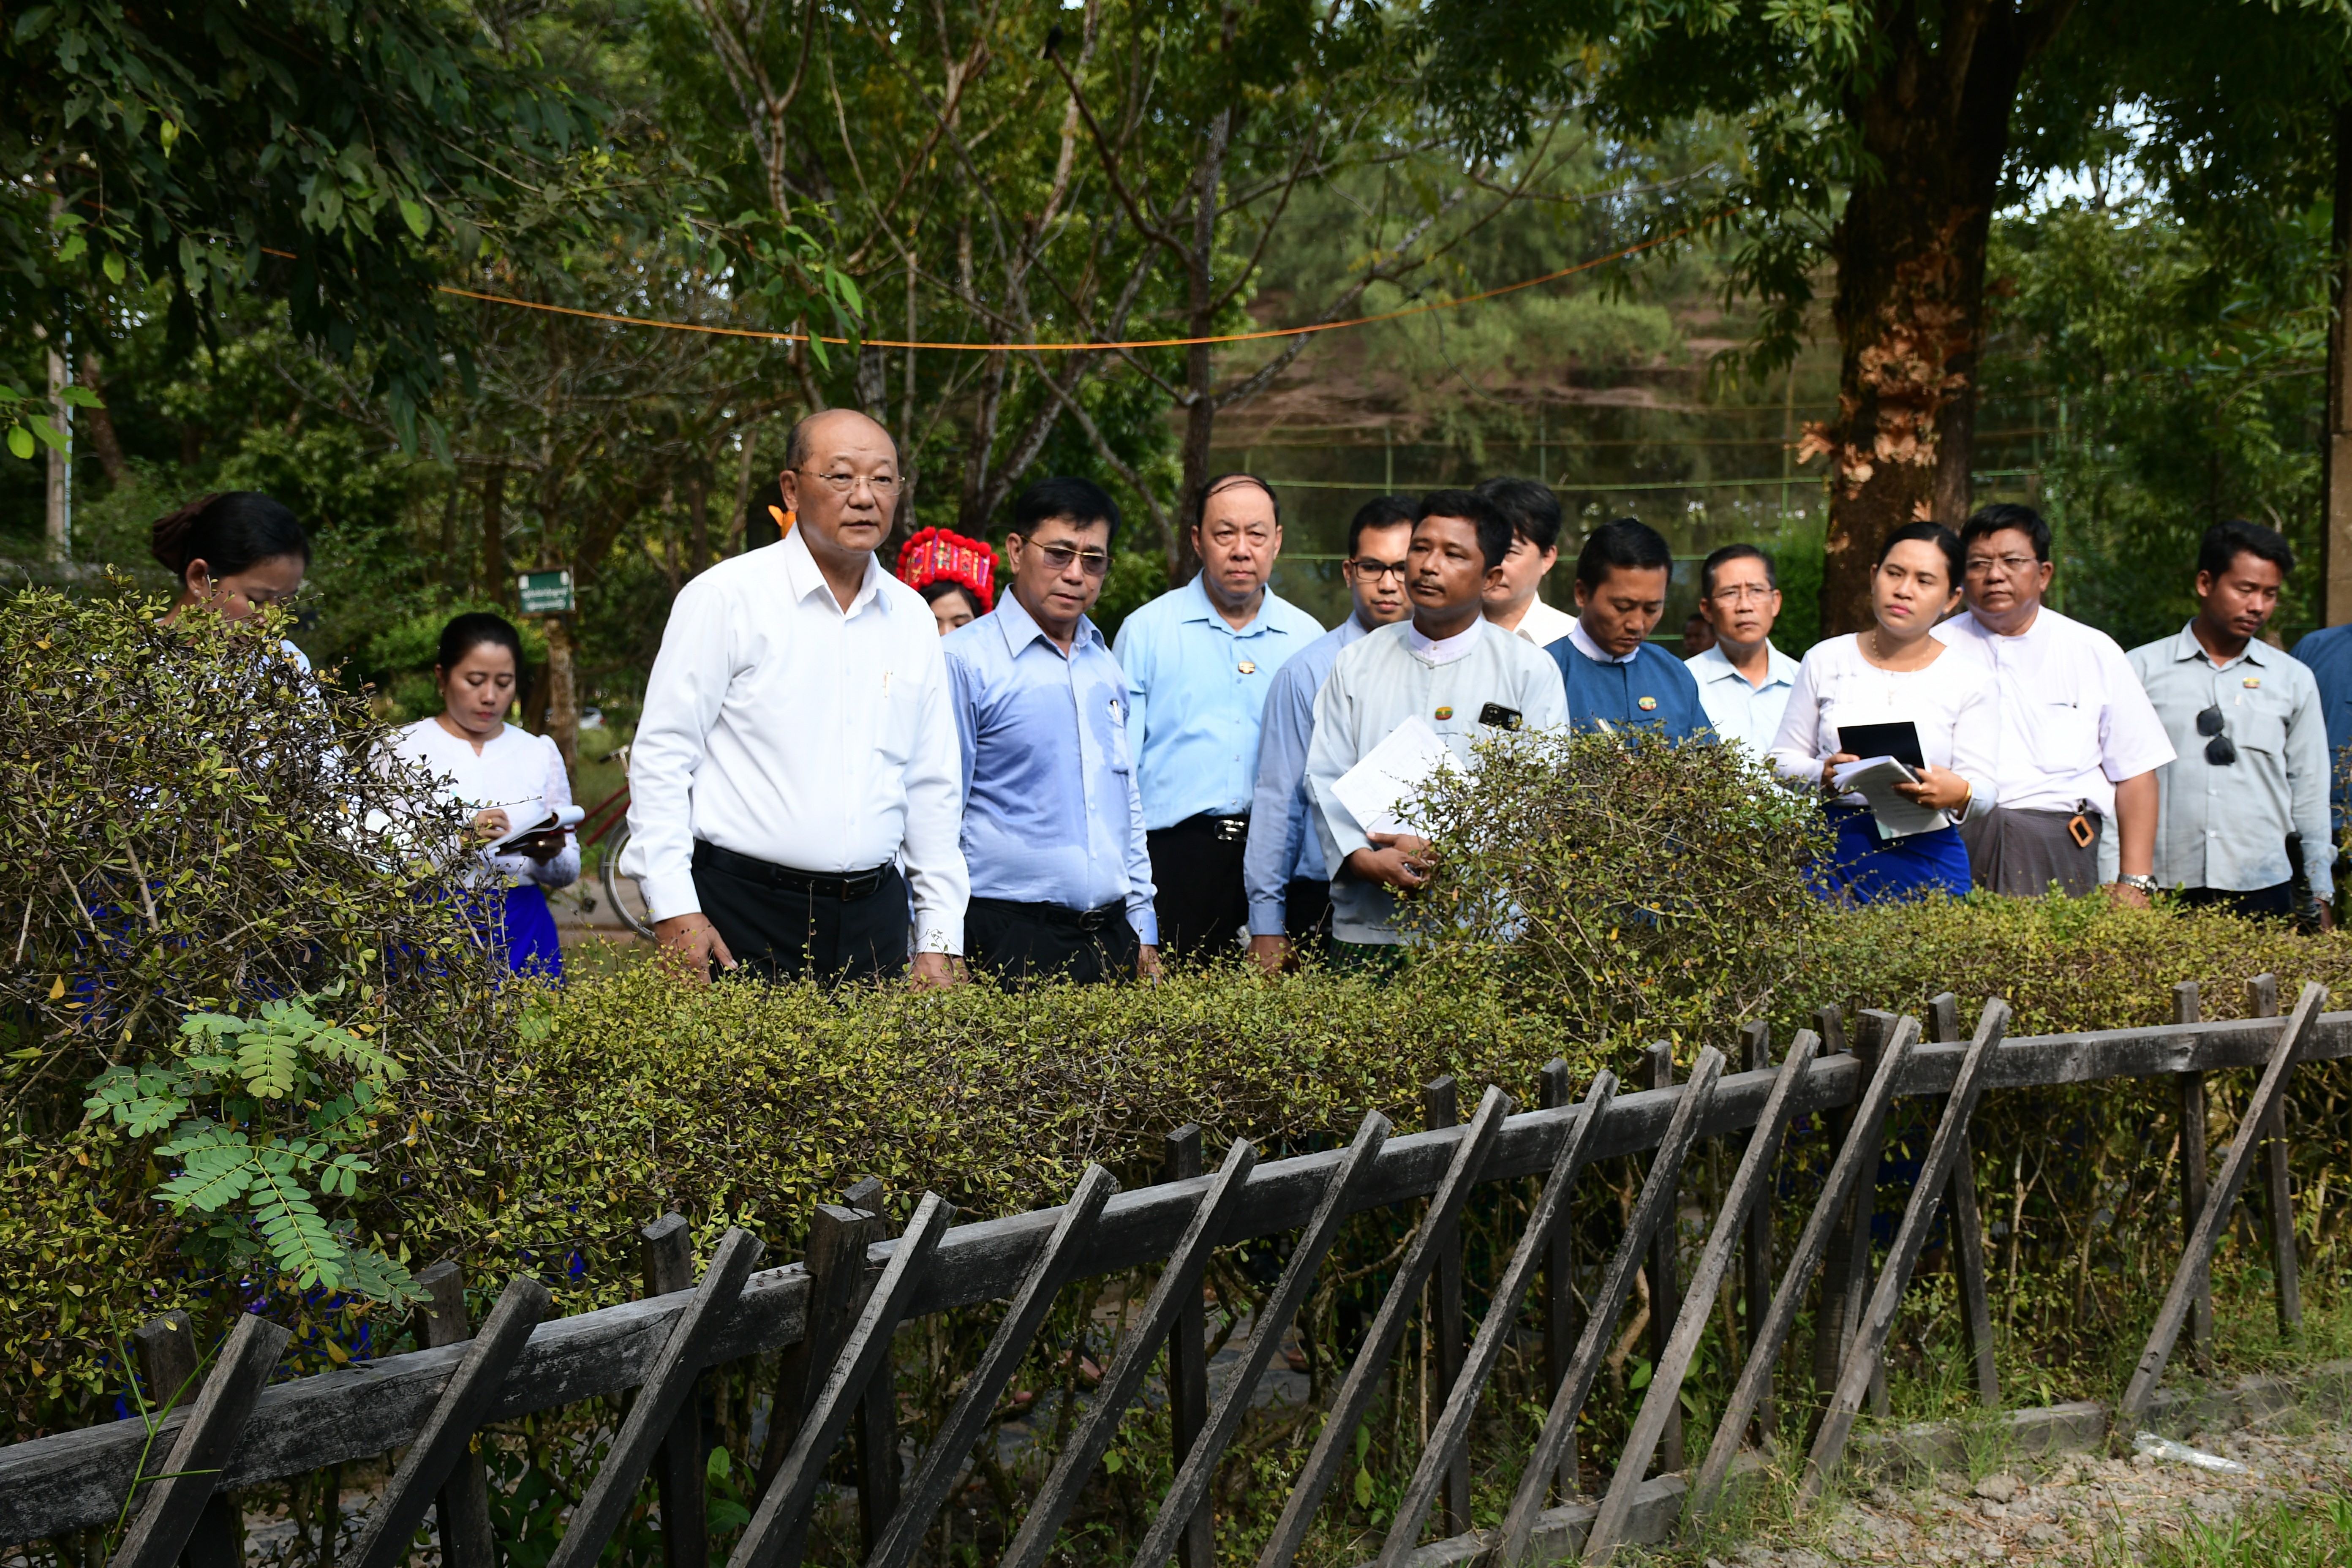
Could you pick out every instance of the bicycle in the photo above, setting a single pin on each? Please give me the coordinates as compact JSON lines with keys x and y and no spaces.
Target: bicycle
{"x":607,"y":823}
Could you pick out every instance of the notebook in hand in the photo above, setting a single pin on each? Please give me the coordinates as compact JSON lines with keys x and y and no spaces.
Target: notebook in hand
{"x":1899,"y":740}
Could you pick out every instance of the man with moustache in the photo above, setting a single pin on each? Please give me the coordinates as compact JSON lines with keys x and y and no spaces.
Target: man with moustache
{"x":1460,"y":675}
{"x":799,"y":740}
{"x":1289,"y":890}
{"x":1199,"y":661}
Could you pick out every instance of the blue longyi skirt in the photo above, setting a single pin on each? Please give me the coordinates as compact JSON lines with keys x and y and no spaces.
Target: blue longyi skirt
{"x":1869,"y":870}
{"x":532,"y":946}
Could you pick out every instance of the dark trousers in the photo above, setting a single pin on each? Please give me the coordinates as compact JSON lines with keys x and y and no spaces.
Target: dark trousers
{"x":1196,"y":868}
{"x":2024,"y":853}
{"x":1307,"y":918}
{"x":778,"y":931}
{"x":2255,"y":904}
{"x":1020,"y":942}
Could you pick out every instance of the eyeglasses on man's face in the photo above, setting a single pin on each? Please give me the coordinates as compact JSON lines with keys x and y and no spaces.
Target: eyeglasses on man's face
{"x":2220,"y":751}
{"x":2008,"y":565}
{"x":1093,"y":563}
{"x":1366,"y":567}
{"x":1743,"y":593}
{"x":842,"y":482}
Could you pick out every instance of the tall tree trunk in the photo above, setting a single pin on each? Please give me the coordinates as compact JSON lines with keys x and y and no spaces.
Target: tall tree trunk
{"x":494,"y":534}
{"x":1909,"y":307}
{"x":698,"y":514}
{"x":563,"y":723}
{"x":1199,"y":372}
{"x":102,"y":437}
{"x":2336,"y":454}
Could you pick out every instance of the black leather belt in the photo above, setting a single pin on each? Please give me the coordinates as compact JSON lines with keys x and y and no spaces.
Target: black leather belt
{"x":845,"y":885}
{"x":1062,"y":915}
{"x":1227,"y":829}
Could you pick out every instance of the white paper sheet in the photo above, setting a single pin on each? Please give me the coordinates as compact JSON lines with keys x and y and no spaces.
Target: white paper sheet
{"x":1875,"y":778}
{"x":527,"y":817}
{"x":1376,"y":786}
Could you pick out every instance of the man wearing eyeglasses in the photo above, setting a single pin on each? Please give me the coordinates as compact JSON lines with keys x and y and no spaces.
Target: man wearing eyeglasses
{"x":1744,"y":680}
{"x":2246,"y":721}
{"x":798,"y":740}
{"x":1199,"y":661}
{"x":2079,"y":742}
{"x":1053,"y":823}
{"x":1289,"y":890}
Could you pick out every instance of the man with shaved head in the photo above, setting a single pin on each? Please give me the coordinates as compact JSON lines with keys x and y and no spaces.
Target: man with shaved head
{"x":799,"y":741}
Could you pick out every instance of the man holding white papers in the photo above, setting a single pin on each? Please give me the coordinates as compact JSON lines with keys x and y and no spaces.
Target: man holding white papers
{"x":1911,"y":693}
{"x":1448,"y":669}
{"x":2079,"y":742}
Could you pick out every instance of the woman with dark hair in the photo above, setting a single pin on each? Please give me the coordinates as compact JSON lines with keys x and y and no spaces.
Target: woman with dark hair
{"x":510,"y":778}
{"x":232,"y":555}
{"x":955,"y":575}
{"x":1892,"y":673}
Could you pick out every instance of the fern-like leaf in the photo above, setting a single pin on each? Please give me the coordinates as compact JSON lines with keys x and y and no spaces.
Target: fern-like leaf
{"x":298,"y":1238}
{"x":369,"y":1273}
{"x":139,"y":1100}
{"x":267,"y":1060}
{"x":216,"y":1172}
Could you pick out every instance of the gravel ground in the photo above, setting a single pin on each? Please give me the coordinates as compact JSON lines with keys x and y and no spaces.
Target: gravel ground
{"x":2058,"y":1511}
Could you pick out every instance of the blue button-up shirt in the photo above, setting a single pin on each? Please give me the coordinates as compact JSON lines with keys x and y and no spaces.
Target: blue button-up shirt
{"x":1051,"y":814}
{"x":2225,"y":826}
{"x":1283,"y":847}
{"x":1197,"y":690}
{"x":1749,"y":714}
{"x":2327,"y":654}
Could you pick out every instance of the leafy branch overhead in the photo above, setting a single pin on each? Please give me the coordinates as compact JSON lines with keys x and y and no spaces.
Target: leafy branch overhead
{"x":269,"y":1118}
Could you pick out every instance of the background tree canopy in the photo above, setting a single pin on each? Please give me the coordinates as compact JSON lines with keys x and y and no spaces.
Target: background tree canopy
{"x":2057,"y":251}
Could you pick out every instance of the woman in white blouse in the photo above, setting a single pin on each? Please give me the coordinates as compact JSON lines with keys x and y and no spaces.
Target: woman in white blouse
{"x":1892,"y":672}
{"x":509,"y":777}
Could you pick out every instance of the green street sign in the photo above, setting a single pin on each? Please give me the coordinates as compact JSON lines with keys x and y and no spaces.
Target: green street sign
{"x":544,"y":593}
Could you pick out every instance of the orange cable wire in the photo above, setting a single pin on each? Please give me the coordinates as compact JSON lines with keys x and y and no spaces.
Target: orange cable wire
{"x":1633,"y":249}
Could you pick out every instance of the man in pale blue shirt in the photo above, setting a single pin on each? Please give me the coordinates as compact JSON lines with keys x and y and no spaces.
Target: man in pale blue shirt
{"x":1744,"y":681}
{"x":1053,"y":823}
{"x":1289,"y":891}
{"x":1199,"y":661}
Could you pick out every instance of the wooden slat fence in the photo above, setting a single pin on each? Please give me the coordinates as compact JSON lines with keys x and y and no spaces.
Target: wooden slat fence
{"x":834,"y":1313}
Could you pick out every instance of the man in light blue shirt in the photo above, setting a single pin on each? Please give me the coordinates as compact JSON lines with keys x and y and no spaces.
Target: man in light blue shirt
{"x":1053,"y":823}
{"x":1199,"y":661}
{"x":1289,"y":891}
{"x":1743,"y":680}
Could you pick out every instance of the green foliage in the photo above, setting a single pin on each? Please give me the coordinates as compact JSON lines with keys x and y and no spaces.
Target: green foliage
{"x":25,"y":416}
{"x":1632,"y":888}
{"x":268,"y":1113}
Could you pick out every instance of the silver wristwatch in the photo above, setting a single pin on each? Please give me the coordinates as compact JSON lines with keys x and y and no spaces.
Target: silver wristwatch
{"x":2137,"y":882}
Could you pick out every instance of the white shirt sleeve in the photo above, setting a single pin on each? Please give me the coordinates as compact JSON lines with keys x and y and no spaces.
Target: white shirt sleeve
{"x":1796,"y":752}
{"x":683,"y":698}
{"x":941,"y":882}
{"x":2132,"y":739}
{"x":565,"y":869}
{"x":1975,"y":739}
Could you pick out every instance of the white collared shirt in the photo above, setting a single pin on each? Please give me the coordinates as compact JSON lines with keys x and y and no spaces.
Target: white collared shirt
{"x":1442,"y":650}
{"x":2073,"y":720}
{"x":1542,"y":624}
{"x":1582,"y":640}
{"x":516,"y":770}
{"x":780,"y":726}
{"x":1749,"y":714}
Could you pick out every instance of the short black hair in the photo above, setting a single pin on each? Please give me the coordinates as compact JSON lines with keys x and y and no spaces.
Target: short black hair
{"x":938,"y":588}
{"x":1533,"y":510}
{"x":471,"y":630}
{"x":1224,"y":481}
{"x":230,"y":531}
{"x":1081,"y":502}
{"x":2225,"y":542}
{"x":1382,"y":511}
{"x":1495,"y":532}
{"x":1625,"y":544}
{"x":2002,"y":516}
{"x":1724,"y":557}
{"x":1934,"y":533}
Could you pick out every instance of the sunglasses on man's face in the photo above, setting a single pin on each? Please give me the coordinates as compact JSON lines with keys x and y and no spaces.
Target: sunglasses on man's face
{"x":2220,"y":751}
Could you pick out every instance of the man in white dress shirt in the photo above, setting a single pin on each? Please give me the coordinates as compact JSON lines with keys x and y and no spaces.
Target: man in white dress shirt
{"x":1744,"y":680}
{"x":799,"y":737}
{"x":1513,"y":603}
{"x":2080,"y":742}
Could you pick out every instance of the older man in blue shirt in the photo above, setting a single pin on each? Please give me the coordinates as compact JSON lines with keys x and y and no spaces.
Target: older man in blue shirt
{"x":1289,"y":890}
{"x":1199,"y":661}
{"x":1053,"y":823}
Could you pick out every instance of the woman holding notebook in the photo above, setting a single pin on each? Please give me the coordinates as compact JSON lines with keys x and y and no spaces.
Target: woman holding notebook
{"x":1898,"y":691}
{"x":512,"y":780}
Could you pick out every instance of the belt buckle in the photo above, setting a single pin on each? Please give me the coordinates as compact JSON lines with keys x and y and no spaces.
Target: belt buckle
{"x":1230,"y":829}
{"x":1092,"y":920}
{"x":859,"y":886}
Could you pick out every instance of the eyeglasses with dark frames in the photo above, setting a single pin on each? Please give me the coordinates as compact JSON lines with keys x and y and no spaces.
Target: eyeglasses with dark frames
{"x":1365,"y":567}
{"x":1093,"y":563}
{"x":2220,"y":751}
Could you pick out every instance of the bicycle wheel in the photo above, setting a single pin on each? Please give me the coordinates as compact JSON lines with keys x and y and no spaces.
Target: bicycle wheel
{"x":630,"y":908}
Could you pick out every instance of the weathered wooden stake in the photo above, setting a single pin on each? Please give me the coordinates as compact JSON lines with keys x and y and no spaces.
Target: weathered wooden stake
{"x":2195,"y":1164}
{"x":2278,"y":1200}
{"x":462,"y":1509}
{"x":1441,"y":1107}
{"x":1187,"y":1366}
{"x":1829,"y":1315}
{"x":165,"y":1511}
{"x":1559,"y":1287}
{"x":873,"y":1430}
{"x":667,"y":1249}
{"x":1666,"y":1288}
{"x":1965,"y":1226}
{"x":167,"y":1360}
{"x":1756,"y":1264}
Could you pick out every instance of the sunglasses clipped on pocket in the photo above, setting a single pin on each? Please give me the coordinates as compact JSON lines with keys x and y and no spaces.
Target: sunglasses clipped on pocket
{"x":2220,"y":751}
